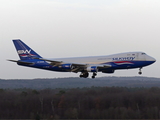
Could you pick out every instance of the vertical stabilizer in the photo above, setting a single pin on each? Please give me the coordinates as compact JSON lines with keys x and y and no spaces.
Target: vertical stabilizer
{"x":25,"y":52}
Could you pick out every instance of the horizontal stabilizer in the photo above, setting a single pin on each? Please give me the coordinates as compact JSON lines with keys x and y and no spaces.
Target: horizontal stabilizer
{"x":22,"y":62}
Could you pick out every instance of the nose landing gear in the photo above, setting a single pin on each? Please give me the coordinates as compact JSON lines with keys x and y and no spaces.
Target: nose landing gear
{"x":140,"y":72}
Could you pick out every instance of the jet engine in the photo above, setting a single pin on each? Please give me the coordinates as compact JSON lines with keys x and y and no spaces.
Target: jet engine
{"x":108,"y":71}
{"x":92,"y":69}
{"x":66,"y":66}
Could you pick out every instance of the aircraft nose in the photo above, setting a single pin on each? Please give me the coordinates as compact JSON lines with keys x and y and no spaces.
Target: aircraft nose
{"x":154,"y":59}
{"x":149,"y":58}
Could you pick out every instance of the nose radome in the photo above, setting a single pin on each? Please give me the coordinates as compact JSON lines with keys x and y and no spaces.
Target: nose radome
{"x":149,"y":58}
{"x":154,"y":60}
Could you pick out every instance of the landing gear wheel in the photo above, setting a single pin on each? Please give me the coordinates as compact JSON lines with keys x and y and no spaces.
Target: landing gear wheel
{"x":84,"y":75}
{"x":140,"y":72}
{"x":80,"y":76}
{"x":93,"y":77}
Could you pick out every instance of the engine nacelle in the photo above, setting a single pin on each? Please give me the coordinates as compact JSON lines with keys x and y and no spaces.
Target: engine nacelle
{"x":92,"y":69}
{"x":66,"y":66}
{"x":108,"y":71}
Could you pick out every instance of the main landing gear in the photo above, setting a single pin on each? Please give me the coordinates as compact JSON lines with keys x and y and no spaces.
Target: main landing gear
{"x":140,"y":72}
{"x":86,"y":74}
{"x":94,"y":74}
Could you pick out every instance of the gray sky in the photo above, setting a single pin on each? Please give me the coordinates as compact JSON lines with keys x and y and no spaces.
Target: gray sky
{"x":70,"y":28}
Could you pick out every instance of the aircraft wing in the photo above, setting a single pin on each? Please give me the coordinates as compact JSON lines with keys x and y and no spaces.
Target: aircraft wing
{"x":77,"y":67}
{"x":57,"y":63}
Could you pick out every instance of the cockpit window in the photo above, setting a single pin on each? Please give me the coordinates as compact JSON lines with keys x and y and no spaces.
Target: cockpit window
{"x":143,"y":53}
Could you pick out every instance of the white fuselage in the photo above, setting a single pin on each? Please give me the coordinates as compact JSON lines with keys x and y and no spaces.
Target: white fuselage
{"x":128,"y":56}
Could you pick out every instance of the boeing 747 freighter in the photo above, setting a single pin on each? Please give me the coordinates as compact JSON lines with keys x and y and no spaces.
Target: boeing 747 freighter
{"x":84,"y":65}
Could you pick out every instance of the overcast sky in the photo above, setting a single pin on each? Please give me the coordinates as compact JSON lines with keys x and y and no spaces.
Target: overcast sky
{"x":71,"y":28}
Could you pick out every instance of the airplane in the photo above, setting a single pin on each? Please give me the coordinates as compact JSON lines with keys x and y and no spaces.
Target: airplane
{"x":84,"y":65}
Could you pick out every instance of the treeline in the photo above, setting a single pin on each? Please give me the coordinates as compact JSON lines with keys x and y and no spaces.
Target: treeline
{"x":80,"y":82}
{"x":81,"y":103}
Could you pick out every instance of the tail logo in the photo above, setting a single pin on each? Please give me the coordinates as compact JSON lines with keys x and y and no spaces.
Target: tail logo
{"x":24,"y":51}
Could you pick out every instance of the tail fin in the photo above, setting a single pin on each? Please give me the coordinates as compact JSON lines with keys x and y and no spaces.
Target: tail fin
{"x":25,"y":52}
